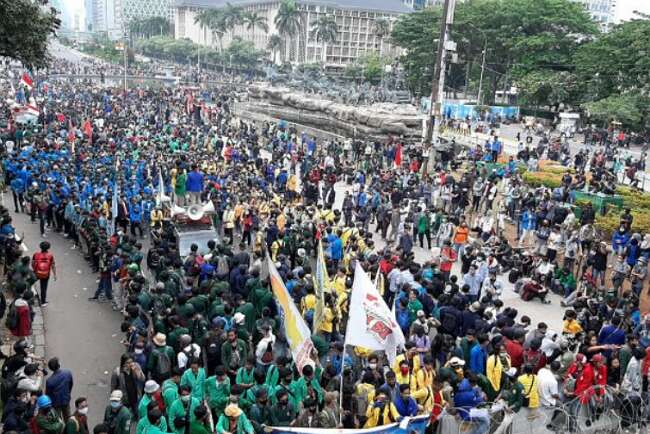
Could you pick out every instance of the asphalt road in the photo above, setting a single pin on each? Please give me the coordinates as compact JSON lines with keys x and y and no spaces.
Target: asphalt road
{"x":85,"y":336}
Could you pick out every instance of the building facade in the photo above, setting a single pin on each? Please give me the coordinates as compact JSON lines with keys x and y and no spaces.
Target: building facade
{"x":113,"y":15}
{"x":602,"y":12}
{"x":356,"y":35}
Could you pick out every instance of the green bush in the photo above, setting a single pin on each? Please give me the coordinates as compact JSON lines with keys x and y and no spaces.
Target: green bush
{"x":546,"y":179}
{"x":634,"y":199}
{"x":610,"y":222}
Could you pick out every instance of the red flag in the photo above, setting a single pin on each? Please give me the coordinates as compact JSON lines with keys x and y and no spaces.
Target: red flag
{"x":27,"y":80}
{"x":398,"y":155}
{"x":88,"y":130}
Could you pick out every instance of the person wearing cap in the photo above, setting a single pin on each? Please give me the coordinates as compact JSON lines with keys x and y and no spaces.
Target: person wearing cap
{"x":161,"y":359}
{"x":234,"y":421}
{"x":151,"y":393}
{"x":452,"y":372}
{"x":117,"y":417}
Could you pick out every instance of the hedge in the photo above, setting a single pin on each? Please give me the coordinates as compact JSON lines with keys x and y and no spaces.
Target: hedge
{"x":634,"y":199}
{"x":610,"y":222}
{"x":546,"y":179}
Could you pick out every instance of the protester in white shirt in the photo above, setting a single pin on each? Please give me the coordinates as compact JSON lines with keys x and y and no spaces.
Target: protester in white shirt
{"x":547,"y":387}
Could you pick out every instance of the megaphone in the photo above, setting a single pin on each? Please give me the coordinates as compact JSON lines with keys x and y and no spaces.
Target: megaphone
{"x":178,"y":210}
{"x":208,"y":208}
{"x":195,"y":212}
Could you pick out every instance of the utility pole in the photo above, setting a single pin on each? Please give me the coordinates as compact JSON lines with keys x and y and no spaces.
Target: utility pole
{"x":480,"y":81}
{"x":438,"y":83}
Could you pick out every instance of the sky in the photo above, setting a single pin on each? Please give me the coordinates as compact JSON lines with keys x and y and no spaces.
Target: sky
{"x":624,"y":10}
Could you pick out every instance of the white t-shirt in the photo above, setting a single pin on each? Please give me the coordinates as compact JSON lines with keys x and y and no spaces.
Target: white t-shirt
{"x":547,"y":387}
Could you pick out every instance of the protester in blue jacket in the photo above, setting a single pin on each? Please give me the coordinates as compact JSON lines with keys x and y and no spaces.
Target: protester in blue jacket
{"x":405,"y":404}
{"x":59,"y":387}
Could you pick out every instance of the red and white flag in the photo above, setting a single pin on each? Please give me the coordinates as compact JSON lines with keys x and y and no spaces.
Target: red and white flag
{"x":27,"y":80}
{"x":372,"y":325}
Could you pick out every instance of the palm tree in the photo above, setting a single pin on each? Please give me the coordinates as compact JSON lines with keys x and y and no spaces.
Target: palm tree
{"x":204,"y":19}
{"x":287,"y":21}
{"x":381,"y":29}
{"x":274,"y":44}
{"x":232,"y":17}
{"x":324,"y":30}
{"x":252,"y":20}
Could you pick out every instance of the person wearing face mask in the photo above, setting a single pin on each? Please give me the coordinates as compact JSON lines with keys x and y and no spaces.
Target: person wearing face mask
{"x":117,"y":416}
{"x":308,"y":417}
{"x":126,"y":378}
{"x":78,"y":422}
{"x":181,"y":411}
{"x":283,"y":412}
{"x":375,"y":370}
{"x":405,"y":376}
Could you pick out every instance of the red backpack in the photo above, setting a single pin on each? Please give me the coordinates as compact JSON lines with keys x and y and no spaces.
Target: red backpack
{"x":42,"y":264}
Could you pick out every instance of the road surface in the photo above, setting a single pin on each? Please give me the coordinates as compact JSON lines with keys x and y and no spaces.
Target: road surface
{"x":85,"y":336}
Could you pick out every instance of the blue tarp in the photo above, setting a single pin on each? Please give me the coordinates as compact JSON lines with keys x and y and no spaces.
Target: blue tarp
{"x":413,"y":425}
{"x":462,"y":111}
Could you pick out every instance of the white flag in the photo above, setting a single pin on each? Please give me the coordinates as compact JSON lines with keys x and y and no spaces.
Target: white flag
{"x":371,"y":324}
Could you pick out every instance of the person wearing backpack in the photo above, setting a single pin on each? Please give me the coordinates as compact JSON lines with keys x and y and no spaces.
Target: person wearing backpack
{"x":19,"y":317}
{"x":43,"y":266}
{"x":160,"y":362}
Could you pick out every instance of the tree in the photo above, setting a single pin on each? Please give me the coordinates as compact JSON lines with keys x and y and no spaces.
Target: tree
{"x":522,"y":35}
{"x":203,"y":19}
{"x":622,"y":108}
{"x":325,"y":30}
{"x":25,"y":29}
{"x":232,"y":17}
{"x":148,"y":27}
{"x":243,"y":53}
{"x":373,"y":67}
{"x":252,"y":21}
{"x":381,"y":29}
{"x":274,"y":45}
{"x":287,"y":21}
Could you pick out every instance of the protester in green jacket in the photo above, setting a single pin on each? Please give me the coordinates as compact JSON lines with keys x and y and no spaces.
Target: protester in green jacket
{"x":144,"y":423}
{"x":170,"y":388}
{"x":194,"y":377}
{"x":150,"y":388}
{"x":182,"y":407}
{"x":200,"y":424}
{"x":302,"y":387}
{"x":217,"y":390}
{"x":117,"y":416}
{"x":234,"y":421}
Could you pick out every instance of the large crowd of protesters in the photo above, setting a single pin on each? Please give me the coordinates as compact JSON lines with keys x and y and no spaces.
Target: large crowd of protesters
{"x":205,"y":347}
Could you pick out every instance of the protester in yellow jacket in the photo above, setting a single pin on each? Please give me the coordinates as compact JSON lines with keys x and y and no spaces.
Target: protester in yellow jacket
{"x":381,"y":412}
{"x":497,"y":364}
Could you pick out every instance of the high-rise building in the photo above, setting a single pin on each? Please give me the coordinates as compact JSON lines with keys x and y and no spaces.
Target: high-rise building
{"x":422,"y":4}
{"x":113,"y":16}
{"x":357,"y":34}
{"x":601,"y":11}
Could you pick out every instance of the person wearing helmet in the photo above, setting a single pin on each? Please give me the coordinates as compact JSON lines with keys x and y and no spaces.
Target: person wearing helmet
{"x":47,"y":420}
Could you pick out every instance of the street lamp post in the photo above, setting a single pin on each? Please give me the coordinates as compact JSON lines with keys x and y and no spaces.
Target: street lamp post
{"x":480,"y":81}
